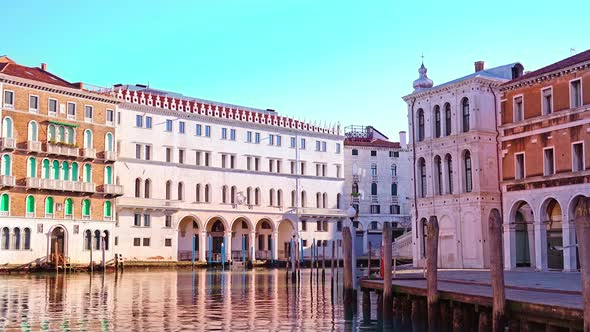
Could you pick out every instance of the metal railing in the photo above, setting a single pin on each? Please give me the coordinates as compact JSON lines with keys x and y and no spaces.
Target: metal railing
{"x":187,"y":255}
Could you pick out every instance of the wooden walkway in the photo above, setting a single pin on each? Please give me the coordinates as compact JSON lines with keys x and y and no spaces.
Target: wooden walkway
{"x":549,"y":295}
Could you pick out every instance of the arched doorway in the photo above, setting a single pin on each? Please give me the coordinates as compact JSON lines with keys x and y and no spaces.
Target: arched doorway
{"x":188,"y":238}
{"x":447,"y":244}
{"x":57,"y":245}
{"x":374,"y":237}
{"x":264,"y":240}
{"x":574,"y":258}
{"x":551,"y":217}
{"x":216,"y":239}
{"x":241,"y":241}
{"x":523,"y":219}
{"x":286,"y":232}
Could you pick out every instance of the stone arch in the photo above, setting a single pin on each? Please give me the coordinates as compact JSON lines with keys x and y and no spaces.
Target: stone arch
{"x":242,"y":239}
{"x":551,"y":219}
{"x":56,"y":243}
{"x":211,"y":221}
{"x":265,"y":239}
{"x":522,"y":217}
{"x":189,"y":227}
{"x":285,"y":231}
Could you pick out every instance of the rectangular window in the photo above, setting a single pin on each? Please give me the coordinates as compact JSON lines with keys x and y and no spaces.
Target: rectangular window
{"x":169,"y":155}
{"x":518,"y":109}
{"x":88,"y":113}
{"x":355,"y":152}
{"x":8,"y":99}
{"x":519,"y":166}
{"x":338,"y":170}
{"x":257,"y":138}
{"x":168,"y":221}
{"x":198,"y":158}
{"x":139,"y":121}
{"x":137,"y":220}
{"x":373,"y":153}
{"x":110,"y":116}
{"x":575,"y":93}
{"x":249,"y":163}
{"x":547,"y":102}
{"x":374,"y":170}
{"x":271,"y":139}
{"x":118,"y":117}
{"x":181,"y":127}
{"x":232,"y":161}
{"x":318,"y":145}
{"x":146,"y":241}
{"x":223,"y":157}
{"x":33,"y":103}
{"x":302,"y":165}
{"x":257,"y":164}
{"x":293,"y":142}
{"x":339,"y":226}
{"x":324,"y":170}
{"x":137,"y":151}
{"x":279,"y":140}
{"x":302,"y":144}
{"x":375,"y":209}
{"x":52,"y":107}
{"x":394,"y":209}
{"x":324,"y":146}
{"x":136,"y":242}
{"x":293,"y":167}
{"x":207,"y":131}
{"x":180,"y":156}
{"x":304,"y":243}
{"x":198,"y":130}
{"x":578,"y":157}
{"x":270,"y":165}
{"x":147,"y":220}
{"x":207,"y":159}
{"x":337,"y":147}
{"x":223,"y":133}
{"x":317,"y":169}
{"x":318,"y":226}
{"x":148,"y":122}
{"x":168,"y":125}
{"x":71,"y":110}
{"x":232,"y":134}
{"x":303,"y":225}
{"x":168,"y":242}
{"x":249,"y":136}
{"x":148,"y":152}
{"x":549,"y":162}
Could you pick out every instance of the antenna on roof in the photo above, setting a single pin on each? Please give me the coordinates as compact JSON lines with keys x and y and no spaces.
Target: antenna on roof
{"x":573,"y":50}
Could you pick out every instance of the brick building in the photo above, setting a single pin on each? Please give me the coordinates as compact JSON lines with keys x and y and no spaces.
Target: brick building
{"x":545,"y":138}
{"x":57,"y":181}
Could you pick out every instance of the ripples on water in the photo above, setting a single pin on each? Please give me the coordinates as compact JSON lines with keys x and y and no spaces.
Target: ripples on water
{"x":261,"y":300}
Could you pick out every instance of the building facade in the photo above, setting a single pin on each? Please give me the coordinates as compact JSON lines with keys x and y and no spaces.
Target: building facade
{"x":544,"y":127}
{"x":376,"y":184}
{"x":57,"y":196}
{"x":221,"y":178}
{"x":455,"y":174}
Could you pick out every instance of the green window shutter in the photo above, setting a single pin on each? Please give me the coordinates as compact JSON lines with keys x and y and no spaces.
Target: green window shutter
{"x":49,"y":205}
{"x":30,"y":204}
{"x":107,"y":209}
{"x":75,"y":172}
{"x":6,"y":167}
{"x":4,"y":202}
{"x":85,"y":207}
{"x":87,"y":173}
{"x":46,"y":169}
{"x":55,"y":170}
{"x":61,"y":134}
{"x":109,"y":175}
{"x":66,"y":170}
{"x":32,"y":167}
{"x":69,"y":206}
{"x":71,"y":135}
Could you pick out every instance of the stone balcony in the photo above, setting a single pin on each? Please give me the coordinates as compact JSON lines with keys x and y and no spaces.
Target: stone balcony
{"x":88,"y":153}
{"x":110,"y":155}
{"x":7,"y":180}
{"x":62,"y":150}
{"x":62,"y":185}
{"x":7,"y":143}
{"x":148,"y":203}
{"x":34,"y":146}
{"x":113,"y":189}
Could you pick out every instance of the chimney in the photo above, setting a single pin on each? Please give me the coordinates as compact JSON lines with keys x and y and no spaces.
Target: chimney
{"x":402,"y":139}
{"x":480,"y":65}
{"x":44,"y":66}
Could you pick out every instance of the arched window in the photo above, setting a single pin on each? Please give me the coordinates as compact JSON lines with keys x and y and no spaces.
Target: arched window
{"x":108,"y":142}
{"x":108,"y":210}
{"x":32,"y":133}
{"x":51,"y":134}
{"x":4,"y":204}
{"x":355,"y":188}
{"x":27,"y":239}
{"x":7,"y":128}
{"x":147,"y":188}
{"x":249,"y":195}
{"x":87,"y":239}
{"x":86,"y":208}
{"x":49,"y":205}
{"x":374,"y":188}
{"x":338,"y":201}
{"x":374,"y":225}
{"x":207,"y":193}
{"x":180,"y":191}
{"x":224,"y":194}
{"x":293,"y":198}
{"x":394,"y":189}
{"x":16,"y":238}
{"x":88,"y":139}
{"x":71,"y":136}
{"x":61,"y":134}
{"x":97,"y":240}
{"x":31,"y":167}
{"x":271,"y":197}
{"x":468,"y":172}
{"x":30,"y":203}
{"x":6,"y":165}
{"x":75,"y":176}
{"x":465,"y":109}
{"x":303,"y":198}
{"x":437,"y":121}
{"x":279,"y":197}
{"x":449,"y":162}
{"x":45,"y":169}
{"x":422,"y":175}
{"x":198,"y":193}
{"x":233,"y":194}
{"x":420,"y":125}
{"x":424,"y":226}
{"x":65,"y":168}
{"x":448,"y":119}
{"x":108,"y":175}
{"x":5,"y":238}
{"x":324,"y":200}
{"x":56,"y":169}
{"x":257,"y":196}
{"x":87,"y":173}
{"x":168,"y":190}
{"x":69,"y":207}
{"x":393,"y":170}
{"x":138,"y":188}
{"x":439,"y":175}
{"x":318,"y":200}
{"x":106,"y":240}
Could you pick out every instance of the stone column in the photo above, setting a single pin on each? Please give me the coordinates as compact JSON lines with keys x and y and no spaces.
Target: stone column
{"x":509,"y":246}
{"x":252,"y":248}
{"x":203,"y":246}
{"x":275,"y":245}
{"x":569,"y":248}
{"x":228,"y":245}
{"x":540,"y":246}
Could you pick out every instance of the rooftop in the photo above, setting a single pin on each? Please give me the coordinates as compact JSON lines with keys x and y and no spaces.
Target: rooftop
{"x":504,"y":72}
{"x":9,"y":67}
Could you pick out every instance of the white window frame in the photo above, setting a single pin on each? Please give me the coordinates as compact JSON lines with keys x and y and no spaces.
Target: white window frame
{"x":544,"y":168}
{"x":49,"y":113}
{"x":8,"y":106}
{"x":89,"y":119}
{"x":106,"y":116}
{"x":68,"y":115}
{"x":521,"y":96}
{"x":33,"y":110}
{"x":583,"y":156}
{"x":544,"y":111}
{"x":581,"y":92}
{"x":523,"y":165}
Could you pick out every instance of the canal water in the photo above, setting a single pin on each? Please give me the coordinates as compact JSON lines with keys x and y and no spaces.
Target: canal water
{"x":137,"y":300}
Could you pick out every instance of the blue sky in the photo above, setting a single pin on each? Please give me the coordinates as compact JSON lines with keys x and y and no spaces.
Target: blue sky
{"x":330,"y":61}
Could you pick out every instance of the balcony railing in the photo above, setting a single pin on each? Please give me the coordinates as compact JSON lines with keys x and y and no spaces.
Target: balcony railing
{"x":110,"y":155}
{"x":148,"y":203}
{"x":374,"y":178}
{"x":51,"y":184}
{"x":7,"y":180}
{"x":7,"y":143}
{"x":34,"y":146}
{"x":63,"y":150}
{"x":394,"y":199}
{"x":113,"y":189}
{"x":374,"y":199}
{"x":394,"y":178}
{"x":321,"y":212}
{"x":88,"y":153}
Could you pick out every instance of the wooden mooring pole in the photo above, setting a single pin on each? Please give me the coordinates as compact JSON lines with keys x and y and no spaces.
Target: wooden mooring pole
{"x":582,"y":223}
{"x":432,"y":273}
{"x":347,"y":257}
{"x":369,"y":262}
{"x":324,"y":260}
{"x":497,"y":271}
{"x":387,"y":286}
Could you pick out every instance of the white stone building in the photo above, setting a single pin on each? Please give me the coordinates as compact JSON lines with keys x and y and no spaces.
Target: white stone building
{"x":221,"y":175}
{"x":455,"y":175}
{"x":377,"y":184}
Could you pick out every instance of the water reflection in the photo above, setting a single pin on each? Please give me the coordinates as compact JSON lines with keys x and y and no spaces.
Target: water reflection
{"x":261,"y":300}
